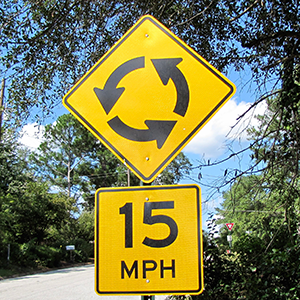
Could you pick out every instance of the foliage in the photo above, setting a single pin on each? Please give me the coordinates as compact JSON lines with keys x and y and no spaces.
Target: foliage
{"x":240,"y":276}
{"x":264,"y":207}
{"x":264,"y":258}
{"x":33,"y":255}
{"x":13,"y":171}
{"x":11,"y":167}
{"x":84,"y":249}
{"x":268,"y":33}
{"x":38,"y":217}
{"x":249,"y":272}
{"x":30,"y":210}
{"x":85,"y":226}
{"x":31,"y":217}
{"x":267,"y":205}
{"x":261,"y":211}
{"x":175,"y":171}
{"x":46,"y":46}
{"x":74,"y":161}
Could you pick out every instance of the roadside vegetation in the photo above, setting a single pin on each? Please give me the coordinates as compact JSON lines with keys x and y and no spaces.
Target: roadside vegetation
{"x":46,"y":195}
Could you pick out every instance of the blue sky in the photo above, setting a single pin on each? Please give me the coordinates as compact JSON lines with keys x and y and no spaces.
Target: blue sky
{"x":219,"y":137}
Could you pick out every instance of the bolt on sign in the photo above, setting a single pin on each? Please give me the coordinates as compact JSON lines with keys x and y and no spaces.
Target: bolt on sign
{"x":148,"y":240}
{"x":147,"y":97}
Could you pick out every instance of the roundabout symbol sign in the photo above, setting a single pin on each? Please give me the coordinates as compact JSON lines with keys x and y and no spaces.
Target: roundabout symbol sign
{"x":158,"y":130}
{"x":147,"y":97}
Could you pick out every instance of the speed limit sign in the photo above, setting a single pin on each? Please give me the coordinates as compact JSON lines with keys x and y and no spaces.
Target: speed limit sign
{"x":148,"y":240}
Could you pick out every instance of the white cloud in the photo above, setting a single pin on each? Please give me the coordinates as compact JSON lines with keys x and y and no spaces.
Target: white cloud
{"x":216,"y":227}
{"x":210,"y":141}
{"x":32,"y":135}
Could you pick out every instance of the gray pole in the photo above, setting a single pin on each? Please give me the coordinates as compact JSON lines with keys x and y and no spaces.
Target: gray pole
{"x":8,"y":253}
{"x":1,"y":105}
{"x":147,"y":297}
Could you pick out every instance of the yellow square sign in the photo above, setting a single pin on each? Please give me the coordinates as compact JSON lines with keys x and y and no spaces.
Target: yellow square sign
{"x":148,"y":240}
{"x":147,"y":97}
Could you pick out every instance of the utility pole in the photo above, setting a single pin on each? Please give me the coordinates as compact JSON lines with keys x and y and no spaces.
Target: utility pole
{"x":1,"y":106}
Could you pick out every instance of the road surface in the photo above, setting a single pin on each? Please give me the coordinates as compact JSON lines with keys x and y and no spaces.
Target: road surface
{"x":65,"y":284}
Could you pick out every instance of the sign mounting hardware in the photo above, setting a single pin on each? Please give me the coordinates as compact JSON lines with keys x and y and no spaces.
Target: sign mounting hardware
{"x":147,"y":97}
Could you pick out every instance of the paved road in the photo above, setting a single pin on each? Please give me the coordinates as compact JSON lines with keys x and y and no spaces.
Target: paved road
{"x":65,"y":284}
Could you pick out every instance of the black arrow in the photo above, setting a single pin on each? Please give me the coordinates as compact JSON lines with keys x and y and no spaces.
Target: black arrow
{"x":110,"y":93}
{"x":166,"y":69}
{"x":157,"y":130}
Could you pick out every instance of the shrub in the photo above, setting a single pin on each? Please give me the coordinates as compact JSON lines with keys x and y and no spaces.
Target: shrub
{"x":34,"y":255}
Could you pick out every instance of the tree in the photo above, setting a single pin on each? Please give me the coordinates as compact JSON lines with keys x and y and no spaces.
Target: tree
{"x":175,"y":171}
{"x":85,"y":228}
{"x":48,"y":46}
{"x":27,"y":208}
{"x":264,"y":206}
{"x":13,"y":171}
{"x":278,"y":154}
{"x":73,"y":160}
{"x":263,"y":255}
{"x":31,"y":211}
{"x":260,"y":212}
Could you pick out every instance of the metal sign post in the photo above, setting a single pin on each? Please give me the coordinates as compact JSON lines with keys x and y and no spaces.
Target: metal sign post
{"x":229,"y":237}
{"x":71,"y":248}
{"x":147,"y":297}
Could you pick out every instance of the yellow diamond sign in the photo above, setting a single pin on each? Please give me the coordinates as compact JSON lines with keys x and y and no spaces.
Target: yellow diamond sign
{"x":147,"y":97}
{"x":148,"y":240}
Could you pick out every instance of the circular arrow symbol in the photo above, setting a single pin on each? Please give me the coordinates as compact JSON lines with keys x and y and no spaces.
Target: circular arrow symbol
{"x":110,"y":94}
{"x":167,"y":69}
{"x":158,"y":130}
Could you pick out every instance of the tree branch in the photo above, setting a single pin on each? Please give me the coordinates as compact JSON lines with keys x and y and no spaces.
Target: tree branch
{"x":244,"y":12}
{"x":197,"y":15}
{"x":279,"y":34}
